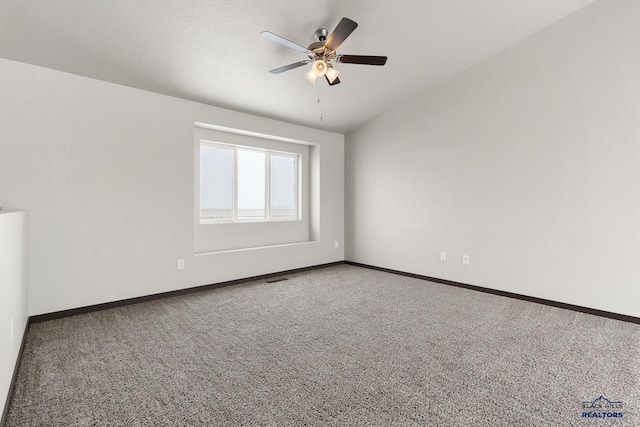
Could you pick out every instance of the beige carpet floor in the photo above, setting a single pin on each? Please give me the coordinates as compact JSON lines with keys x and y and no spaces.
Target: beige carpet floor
{"x":338,"y":346}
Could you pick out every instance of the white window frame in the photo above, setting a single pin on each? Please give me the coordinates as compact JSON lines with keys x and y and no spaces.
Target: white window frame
{"x":297,"y":216}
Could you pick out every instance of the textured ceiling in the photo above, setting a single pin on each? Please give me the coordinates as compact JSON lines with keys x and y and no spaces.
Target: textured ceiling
{"x":211,"y":51}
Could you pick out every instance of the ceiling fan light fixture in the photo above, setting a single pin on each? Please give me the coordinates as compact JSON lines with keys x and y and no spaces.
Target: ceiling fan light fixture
{"x":319,"y":68}
{"x":332,"y":74}
{"x":311,"y":76}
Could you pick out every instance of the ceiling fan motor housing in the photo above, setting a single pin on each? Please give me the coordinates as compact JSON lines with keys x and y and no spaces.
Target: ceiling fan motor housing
{"x":318,"y":51}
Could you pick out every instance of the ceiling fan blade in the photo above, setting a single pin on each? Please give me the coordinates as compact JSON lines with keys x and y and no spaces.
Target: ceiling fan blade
{"x":362,"y":59}
{"x":343,"y":30}
{"x":289,"y":67}
{"x":276,"y":38}
{"x":335,"y":82}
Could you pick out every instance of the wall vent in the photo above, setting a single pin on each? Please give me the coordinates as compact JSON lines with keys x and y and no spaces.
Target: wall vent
{"x":277,"y":279}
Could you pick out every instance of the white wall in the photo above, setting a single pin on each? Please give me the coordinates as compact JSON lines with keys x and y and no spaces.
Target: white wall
{"x":13,"y":294}
{"x":107,"y":173}
{"x":528,"y":162}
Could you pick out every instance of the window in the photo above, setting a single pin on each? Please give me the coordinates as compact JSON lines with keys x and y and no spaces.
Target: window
{"x":240,"y":184}
{"x":252,"y":190}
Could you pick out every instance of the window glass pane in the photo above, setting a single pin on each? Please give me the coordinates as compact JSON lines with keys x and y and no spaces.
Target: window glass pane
{"x":283,"y":186}
{"x":251,"y":185}
{"x":216,"y":183}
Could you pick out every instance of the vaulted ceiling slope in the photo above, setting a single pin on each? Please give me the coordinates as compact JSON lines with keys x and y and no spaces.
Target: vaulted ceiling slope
{"x":211,"y":51}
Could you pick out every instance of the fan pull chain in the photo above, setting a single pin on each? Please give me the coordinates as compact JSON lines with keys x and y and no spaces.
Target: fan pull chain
{"x":320,"y":101}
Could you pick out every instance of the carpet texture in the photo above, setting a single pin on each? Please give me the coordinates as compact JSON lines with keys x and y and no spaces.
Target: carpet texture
{"x":341,"y":346}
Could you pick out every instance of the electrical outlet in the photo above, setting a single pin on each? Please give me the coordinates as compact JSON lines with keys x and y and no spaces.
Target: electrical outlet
{"x":12,"y":330}
{"x":337,"y":244}
{"x":443,"y":256}
{"x":180,"y":264}
{"x":465,"y":259}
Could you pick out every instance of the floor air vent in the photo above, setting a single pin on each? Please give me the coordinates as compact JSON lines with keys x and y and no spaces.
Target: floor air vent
{"x":277,"y":279}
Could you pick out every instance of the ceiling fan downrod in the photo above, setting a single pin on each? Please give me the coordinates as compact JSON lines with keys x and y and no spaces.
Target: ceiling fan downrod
{"x":321,"y":34}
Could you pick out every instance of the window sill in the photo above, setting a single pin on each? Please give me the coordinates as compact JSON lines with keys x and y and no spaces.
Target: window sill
{"x":246,"y":221}
{"x":227,"y":251}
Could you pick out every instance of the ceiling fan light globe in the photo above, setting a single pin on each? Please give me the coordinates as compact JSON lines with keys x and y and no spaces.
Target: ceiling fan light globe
{"x":311,"y":76}
{"x":319,"y":68}
{"x":332,"y":74}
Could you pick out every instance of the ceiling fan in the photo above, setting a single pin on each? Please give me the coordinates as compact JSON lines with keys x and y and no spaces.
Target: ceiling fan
{"x":322,"y":52}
